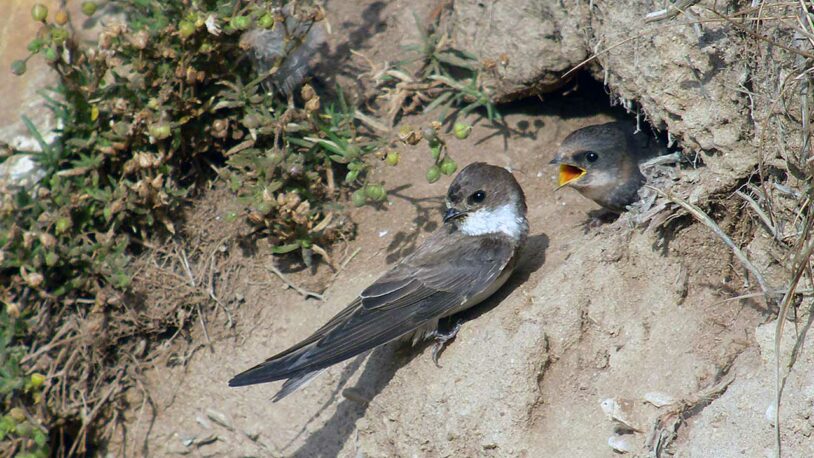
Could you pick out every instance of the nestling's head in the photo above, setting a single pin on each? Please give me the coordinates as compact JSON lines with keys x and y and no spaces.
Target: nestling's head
{"x":485,"y":199}
{"x":601,"y":162}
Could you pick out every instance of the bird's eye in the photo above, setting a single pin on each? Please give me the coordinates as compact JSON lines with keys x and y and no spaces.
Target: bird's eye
{"x":590,"y":156}
{"x":478,"y":196}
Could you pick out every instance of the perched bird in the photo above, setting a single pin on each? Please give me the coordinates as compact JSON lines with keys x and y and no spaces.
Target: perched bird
{"x":462,"y":263}
{"x":602,"y":163}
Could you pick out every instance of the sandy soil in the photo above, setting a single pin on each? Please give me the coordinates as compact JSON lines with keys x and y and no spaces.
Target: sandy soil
{"x":605,"y":313}
{"x":592,"y":315}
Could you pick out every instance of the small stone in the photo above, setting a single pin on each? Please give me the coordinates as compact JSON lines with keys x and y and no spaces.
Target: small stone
{"x":659,"y":399}
{"x":187,"y":441}
{"x":219,"y":418}
{"x":620,"y":444}
{"x":619,"y":411}
{"x":203,"y":421}
{"x":770,"y":411}
{"x":362,"y":424}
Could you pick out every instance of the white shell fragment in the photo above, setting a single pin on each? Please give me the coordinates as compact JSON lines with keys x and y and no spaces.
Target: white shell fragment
{"x":659,"y":399}
{"x":770,"y":411}
{"x":619,"y":411}
{"x":620,"y":444}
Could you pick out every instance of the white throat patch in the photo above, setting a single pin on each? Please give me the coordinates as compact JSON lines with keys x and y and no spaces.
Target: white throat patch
{"x":502,"y":219}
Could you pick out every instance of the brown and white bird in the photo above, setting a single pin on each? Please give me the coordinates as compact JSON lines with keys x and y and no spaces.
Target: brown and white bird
{"x":462,"y":263}
{"x":602,"y":163}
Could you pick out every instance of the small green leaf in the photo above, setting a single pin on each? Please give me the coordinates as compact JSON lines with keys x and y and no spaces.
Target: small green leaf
{"x":283,"y":249}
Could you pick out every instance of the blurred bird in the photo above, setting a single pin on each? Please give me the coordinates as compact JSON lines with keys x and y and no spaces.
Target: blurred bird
{"x":458,"y":266}
{"x":284,"y":51}
{"x":602,"y":163}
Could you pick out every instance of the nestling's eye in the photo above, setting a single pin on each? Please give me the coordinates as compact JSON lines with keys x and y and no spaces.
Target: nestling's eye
{"x":477,"y":197}
{"x":590,"y":156}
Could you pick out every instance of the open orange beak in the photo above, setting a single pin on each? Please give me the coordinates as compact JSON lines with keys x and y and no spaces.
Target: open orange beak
{"x":569,"y":173}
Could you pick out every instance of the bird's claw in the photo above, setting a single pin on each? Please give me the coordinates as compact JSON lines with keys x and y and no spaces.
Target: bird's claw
{"x":441,"y":340}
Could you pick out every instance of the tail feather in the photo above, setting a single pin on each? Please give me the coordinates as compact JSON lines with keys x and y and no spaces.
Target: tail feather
{"x":295,"y":383}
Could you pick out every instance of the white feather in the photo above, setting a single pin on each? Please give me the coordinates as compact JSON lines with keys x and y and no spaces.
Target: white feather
{"x":503,"y":219}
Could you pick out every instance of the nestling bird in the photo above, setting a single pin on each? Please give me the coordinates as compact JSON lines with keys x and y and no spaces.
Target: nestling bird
{"x":602,"y":163}
{"x":462,"y":263}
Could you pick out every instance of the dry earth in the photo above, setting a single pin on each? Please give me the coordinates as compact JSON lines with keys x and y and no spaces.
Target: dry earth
{"x":611,"y":315}
{"x":610,"y":312}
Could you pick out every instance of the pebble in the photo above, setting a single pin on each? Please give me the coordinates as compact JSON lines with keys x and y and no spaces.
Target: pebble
{"x":203,"y":421}
{"x":770,"y":414}
{"x":220,"y":418}
{"x":20,"y":171}
{"x":659,"y":399}
{"x":620,"y":444}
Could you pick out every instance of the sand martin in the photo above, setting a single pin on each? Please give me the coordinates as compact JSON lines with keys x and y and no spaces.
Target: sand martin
{"x":602,"y":163}
{"x":459,"y":265}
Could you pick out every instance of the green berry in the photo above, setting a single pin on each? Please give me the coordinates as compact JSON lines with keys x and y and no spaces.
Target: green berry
{"x":34,"y":45}
{"x":63,"y":224}
{"x":37,"y":379}
{"x":24,"y":429}
{"x":435,"y":150}
{"x":375,"y":192}
{"x":241,"y":22}
{"x":159,"y":131}
{"x":430,"y":134}
{"x":461,"y":130}
{"x":358,"y":197}
{"x":51,"y":55}
{"x":59,"y":35}
{"x":18,"y":67}
{"x":51,"y":259}
{"x":266,"y":21}
{"x":433,"y":174}
{"x":186,"y":29}
{"x":40,"y":438}
{"x":39,"y":12}
{"x":448,"y":166}
{"x":88,"y":8}
{"x":392,"y":158}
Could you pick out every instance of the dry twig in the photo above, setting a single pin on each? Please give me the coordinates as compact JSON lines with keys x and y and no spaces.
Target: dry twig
{"x":304,"y":293}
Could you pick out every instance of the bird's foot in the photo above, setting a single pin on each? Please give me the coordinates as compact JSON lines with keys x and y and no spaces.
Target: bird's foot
{"x":441,"y":339}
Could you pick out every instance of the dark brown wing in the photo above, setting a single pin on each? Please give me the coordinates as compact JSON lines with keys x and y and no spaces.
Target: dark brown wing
{"x":441,"y":275}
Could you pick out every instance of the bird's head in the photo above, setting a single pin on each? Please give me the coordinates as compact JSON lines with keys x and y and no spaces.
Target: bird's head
{"x":597,"y":161}
{"x":486,"y":199}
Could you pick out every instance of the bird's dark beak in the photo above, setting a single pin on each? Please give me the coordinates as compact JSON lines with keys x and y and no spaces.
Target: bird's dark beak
{"x":452,"y":213}
{"x":554,"y":161}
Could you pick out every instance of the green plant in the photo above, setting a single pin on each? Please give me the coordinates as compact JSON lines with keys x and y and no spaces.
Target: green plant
{"x":146,"y":114}
{"x":451,"y":77}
